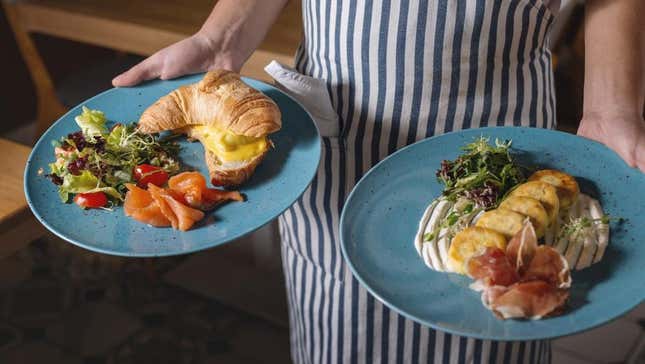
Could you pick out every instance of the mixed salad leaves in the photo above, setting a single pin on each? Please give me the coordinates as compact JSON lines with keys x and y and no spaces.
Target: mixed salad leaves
{"x":483,"y":174}
{"x":95,"y":163}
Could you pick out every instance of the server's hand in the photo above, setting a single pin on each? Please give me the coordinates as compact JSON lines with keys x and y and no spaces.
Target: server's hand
{"x":192,"y":55}
{"x":232,"y":31}
{"x":625,"y":134}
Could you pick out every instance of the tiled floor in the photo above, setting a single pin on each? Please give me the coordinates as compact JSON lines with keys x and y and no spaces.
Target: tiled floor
{"x":619,"y":341}
{"x":61,"y":304}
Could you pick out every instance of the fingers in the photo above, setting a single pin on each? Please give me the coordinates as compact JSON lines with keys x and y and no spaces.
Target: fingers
{"x":147,"y":69}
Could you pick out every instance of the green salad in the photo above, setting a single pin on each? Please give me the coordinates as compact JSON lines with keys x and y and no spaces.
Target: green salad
{"x":97,"y":161}
{"x":484,"y":173}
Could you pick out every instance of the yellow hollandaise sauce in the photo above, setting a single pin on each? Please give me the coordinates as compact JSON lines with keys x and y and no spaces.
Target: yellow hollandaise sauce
{"x":229,"y":147}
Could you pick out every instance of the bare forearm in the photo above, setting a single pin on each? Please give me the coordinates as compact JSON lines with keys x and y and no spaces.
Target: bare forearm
{"x":239,"y":26}
{"x":615,"y":78}
{"x":614,"y":57}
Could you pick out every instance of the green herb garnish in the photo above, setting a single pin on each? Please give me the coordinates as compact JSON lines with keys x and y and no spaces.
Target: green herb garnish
{"x":459,"y":216}
{"x":428,"y":236}
{"x":483,"y":174}
{"x":581,"y":226}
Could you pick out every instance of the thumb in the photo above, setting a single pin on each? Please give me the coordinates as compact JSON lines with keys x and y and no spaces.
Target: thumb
{"x":640,"y":156}
{"x":145,"y":70}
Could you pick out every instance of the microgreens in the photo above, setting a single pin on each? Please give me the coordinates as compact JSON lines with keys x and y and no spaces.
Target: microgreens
{"x":483,"y":174}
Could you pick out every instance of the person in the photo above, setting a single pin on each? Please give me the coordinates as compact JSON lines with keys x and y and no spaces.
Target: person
{"x":398,"y":71}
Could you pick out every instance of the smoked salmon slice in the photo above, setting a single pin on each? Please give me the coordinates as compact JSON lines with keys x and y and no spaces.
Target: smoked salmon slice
{"x":178,"y":205}
{"x":192,"y":186}
{"x":181,"y":217}
{"x":140,"y":205}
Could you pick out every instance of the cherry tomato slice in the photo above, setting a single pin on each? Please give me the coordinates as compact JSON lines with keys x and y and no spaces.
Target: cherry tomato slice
{"x":91,"y":200}
{"x":145,"y":173}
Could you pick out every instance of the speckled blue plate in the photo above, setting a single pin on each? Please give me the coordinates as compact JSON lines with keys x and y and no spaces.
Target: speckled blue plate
{"x":381,"y":216}
{"x":280,"y":179}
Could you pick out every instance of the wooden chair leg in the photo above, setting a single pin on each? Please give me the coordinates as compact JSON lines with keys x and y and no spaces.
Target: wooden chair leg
{"x":49,"y":107}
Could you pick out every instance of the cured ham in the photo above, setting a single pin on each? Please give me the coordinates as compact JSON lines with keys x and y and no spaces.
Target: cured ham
{"x":192,"y":186}
{"x":533,"y":300}
{"x":521,"y":248}
{"x":550,"y":266}
{"x":492,"y":268}
{"x":525,"y":281}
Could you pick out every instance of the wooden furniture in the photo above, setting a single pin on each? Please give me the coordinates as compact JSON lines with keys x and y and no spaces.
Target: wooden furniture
{"x":141,"y":27}
{"x":18,"y":227}
{"x":137,"y":26}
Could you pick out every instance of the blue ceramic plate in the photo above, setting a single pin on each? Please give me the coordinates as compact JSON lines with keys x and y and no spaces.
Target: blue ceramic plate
{"x":381,"y":216}
{"x":280,"y":179}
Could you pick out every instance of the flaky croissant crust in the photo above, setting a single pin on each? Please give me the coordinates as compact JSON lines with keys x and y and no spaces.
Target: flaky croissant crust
{"x":220,"y":99}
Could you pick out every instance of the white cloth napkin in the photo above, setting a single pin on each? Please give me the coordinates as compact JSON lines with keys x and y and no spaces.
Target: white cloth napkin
{"x":310,"y":92}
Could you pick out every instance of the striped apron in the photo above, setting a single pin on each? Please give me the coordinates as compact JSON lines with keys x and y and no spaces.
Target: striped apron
{"x":395,"y":72}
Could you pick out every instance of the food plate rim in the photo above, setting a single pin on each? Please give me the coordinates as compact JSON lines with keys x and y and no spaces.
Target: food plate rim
{"x":359,"y":277}
{"x":230,"y":239}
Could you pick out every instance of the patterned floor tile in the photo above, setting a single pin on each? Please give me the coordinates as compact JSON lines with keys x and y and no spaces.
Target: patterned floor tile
{"x":247,"y":286}
{"x":93,"y":329}
{"x":14,"y":270}
{"x":611,"y":343}
{"x":71,"y":305}
{"x":38,"y":352}
{"x":160,"y":346}
{"x":37,"y":302}
{"x":564,"y":357}
{"x":10,"y":336}
{"x":258,"y":341}
{"x":228,"y":359}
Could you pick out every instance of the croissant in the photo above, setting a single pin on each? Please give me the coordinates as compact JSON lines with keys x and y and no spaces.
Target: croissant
{"x":230,"y":118}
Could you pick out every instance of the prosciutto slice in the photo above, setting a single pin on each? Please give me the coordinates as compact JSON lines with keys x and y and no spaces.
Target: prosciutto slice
{"x":525,"y":281}
{"x":550,"y":266}
{"x":533,"y":300}
{"x":521,"y":248}
{"x":491,"y":268}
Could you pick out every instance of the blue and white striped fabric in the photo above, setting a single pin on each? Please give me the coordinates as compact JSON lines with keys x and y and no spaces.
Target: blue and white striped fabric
{"x":398,"y":71}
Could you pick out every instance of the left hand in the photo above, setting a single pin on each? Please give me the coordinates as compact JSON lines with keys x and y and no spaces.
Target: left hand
{"x":625,"y":134}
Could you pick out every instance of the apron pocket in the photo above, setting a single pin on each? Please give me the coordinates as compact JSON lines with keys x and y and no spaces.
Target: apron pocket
{"x":311,"y":93}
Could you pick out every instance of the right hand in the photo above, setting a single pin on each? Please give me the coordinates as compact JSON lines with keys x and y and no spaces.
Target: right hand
{"x":194,"y":54}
